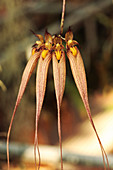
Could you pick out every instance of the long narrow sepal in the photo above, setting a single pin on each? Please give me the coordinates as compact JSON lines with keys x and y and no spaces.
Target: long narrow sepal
{"x":41,"y":79}
{"x":59,"y":73}
{"x":25,"y":78}
{"x":79,"y":75}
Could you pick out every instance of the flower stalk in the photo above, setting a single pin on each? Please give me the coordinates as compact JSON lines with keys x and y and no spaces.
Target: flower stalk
{"x":62,"y":18}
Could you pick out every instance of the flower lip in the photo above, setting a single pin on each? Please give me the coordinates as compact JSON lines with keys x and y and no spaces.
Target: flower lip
{"x":74,"y":50}
{"x":44,"y":53}
{"x":58,"y":54}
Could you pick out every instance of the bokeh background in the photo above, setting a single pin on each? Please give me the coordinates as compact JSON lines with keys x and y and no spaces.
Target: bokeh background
{"x":92,"y":24}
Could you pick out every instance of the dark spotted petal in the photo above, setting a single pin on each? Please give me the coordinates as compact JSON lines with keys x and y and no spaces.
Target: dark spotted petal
{"x":41,"y":79}
{"x":59,"y":73}
{"x":25,"y":78}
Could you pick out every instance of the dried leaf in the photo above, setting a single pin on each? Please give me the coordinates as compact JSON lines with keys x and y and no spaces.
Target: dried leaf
{"x":40,"y":92}
{"x":79,"y":75}
{"x":59,"y":72}
{"x":25,"y":78}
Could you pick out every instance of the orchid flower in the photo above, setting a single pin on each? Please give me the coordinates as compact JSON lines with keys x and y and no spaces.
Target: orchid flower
{"x":43,"y":51}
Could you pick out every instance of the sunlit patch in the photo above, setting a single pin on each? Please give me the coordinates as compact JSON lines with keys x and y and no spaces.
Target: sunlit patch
{"x":44,"y":53}
{"x":74,"y":51}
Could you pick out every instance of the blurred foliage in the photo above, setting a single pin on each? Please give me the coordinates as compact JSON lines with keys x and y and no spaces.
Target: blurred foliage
{"x":13,"y":28}
{"x":2,"y":85}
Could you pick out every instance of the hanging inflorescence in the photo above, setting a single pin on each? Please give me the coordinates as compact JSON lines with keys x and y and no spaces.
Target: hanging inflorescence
{"x":43,"y":51}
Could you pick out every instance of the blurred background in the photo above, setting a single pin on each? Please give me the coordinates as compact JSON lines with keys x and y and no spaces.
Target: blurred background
{"x":92,"y":24}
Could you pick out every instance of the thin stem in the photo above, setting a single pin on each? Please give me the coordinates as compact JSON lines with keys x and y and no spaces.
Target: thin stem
{"x":62,"y":19}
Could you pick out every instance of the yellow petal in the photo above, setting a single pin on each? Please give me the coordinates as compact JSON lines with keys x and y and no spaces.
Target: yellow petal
{"x":57,"y":45}
{"x":25,"y":78}
{"x":33,"y":51}
{"x":41,"y":79}
{"x":79,"y":75}
{"x":44,"y":53}
{"x":74,"y":51}
{"x":58,"y":54}
{"x":59,"y":73}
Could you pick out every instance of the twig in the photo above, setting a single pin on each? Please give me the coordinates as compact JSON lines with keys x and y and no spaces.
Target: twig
{"x":62,"y":19}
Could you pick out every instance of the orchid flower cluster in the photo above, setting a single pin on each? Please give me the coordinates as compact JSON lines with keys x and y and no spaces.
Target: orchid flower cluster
{"x":43,"y":51}
{"x":52,"y":49}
